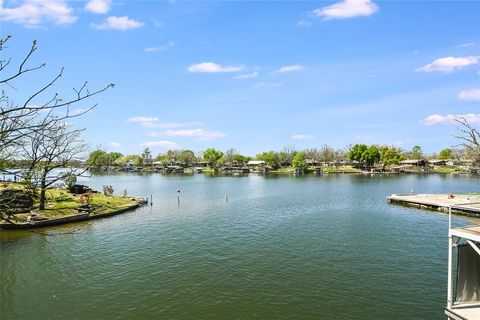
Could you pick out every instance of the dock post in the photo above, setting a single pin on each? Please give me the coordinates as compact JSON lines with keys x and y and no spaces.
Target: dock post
{"x":151,"y":199}
{"x":450,"y":261}
{"x":449,"y":218}
{"x":450,"y":272}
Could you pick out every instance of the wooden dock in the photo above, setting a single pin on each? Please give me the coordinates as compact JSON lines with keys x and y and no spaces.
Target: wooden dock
{"x":459,"y":203}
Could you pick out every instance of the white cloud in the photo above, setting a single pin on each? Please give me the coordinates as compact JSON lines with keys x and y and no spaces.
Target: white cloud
{"x":437,"y":118}
{"x":302,"y":136}
{"x":472,"y":94}
{"x":292,"y":68}
{"x":449,"y":64}
{"x":154,"y":122}
{"x":347,"y":9}
{"x":115,"y":144}
{"x":210,"y":67}
{"x":466,"y":45}
{"x":303,"y":24}
{"x":143,"y":121}
{"x":119,"y":23}
{"x":98,"y":6}
{"x":267,"y":85}
{"x":33,"y":13}
{"x":161,"y":144}
{"x":246,"y":76}
{"x":164,"y":47}
{"x":434,"y":119}
{"x":199,"y":134}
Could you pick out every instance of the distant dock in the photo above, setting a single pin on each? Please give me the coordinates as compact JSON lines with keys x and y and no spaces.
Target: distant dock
{"x":465,"y":204}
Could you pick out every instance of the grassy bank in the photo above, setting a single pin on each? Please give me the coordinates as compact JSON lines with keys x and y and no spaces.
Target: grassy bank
{"x":448,"y":169}
{"x":341,"y":169}
{"x":61,"y":203}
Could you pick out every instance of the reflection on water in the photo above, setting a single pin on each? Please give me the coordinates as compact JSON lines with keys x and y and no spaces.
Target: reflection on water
{"x":280,"y":248}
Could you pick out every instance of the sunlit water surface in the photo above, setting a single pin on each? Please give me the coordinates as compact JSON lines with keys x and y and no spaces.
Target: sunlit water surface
{"x":327,"y":247}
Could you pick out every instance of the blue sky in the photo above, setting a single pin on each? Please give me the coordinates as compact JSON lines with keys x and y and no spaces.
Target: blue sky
{"x":256,"y":76}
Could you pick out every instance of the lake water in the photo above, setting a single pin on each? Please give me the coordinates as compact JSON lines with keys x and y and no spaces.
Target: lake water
{"x":327,"y":247}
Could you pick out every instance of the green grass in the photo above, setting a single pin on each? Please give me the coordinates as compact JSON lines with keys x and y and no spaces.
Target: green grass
{"x":447,"y":169}
{"x":62,"y":203}
{"x":57,"y":206}
{"x":285,"y":170}
{"x":341,"y":169}
{"x":15,"y":186}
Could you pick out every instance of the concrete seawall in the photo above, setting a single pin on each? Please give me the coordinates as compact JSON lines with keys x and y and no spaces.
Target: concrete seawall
{"x":69,"y":218}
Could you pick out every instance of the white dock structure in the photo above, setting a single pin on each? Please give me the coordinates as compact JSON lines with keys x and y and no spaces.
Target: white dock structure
{"x":463,"y":296}
{"x":460,"y":203}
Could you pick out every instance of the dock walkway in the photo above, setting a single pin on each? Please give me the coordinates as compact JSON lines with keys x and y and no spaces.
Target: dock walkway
{"x":460,"y":203}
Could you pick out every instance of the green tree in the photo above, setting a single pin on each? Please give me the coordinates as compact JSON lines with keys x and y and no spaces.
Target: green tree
{"x":113,"y":156}
{"x":212,"y":156}
{"x":370,"y":156}
{"x":356,"y":152}
{"x":390,"y":156}
{"x":162,"y":157}
{"x":222,"y":161}
{"x":271,"y":158}
{"x":445,"y":154}
{"x":416,"y":153}
{"x":300,"y":160}
{"x":240,"y":159}
{"x":134,"y":159}
{"x":98,"y":158}
{"x":187,"y":157}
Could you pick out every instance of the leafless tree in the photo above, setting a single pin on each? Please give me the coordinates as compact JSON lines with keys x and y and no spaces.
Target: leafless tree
{"x":229,"y":154}
{"x":327,"y":153}
{"x":313,"y":154}
{"x":147,"y":157}
{"x":171,"y":156}
{"x":48,"y":150}
{"x":340,"y":155}
{"x":288,"y":152}
{"x":40,"y":109}
{"x":470,"y":138}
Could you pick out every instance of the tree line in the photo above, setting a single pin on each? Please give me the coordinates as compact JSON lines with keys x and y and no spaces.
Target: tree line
{"x":362,"y":154}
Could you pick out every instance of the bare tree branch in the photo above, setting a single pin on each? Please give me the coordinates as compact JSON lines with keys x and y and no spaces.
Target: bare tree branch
{"x":470,"y":138}
{"x":19,"y":122}
{"x":21,"y":69}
